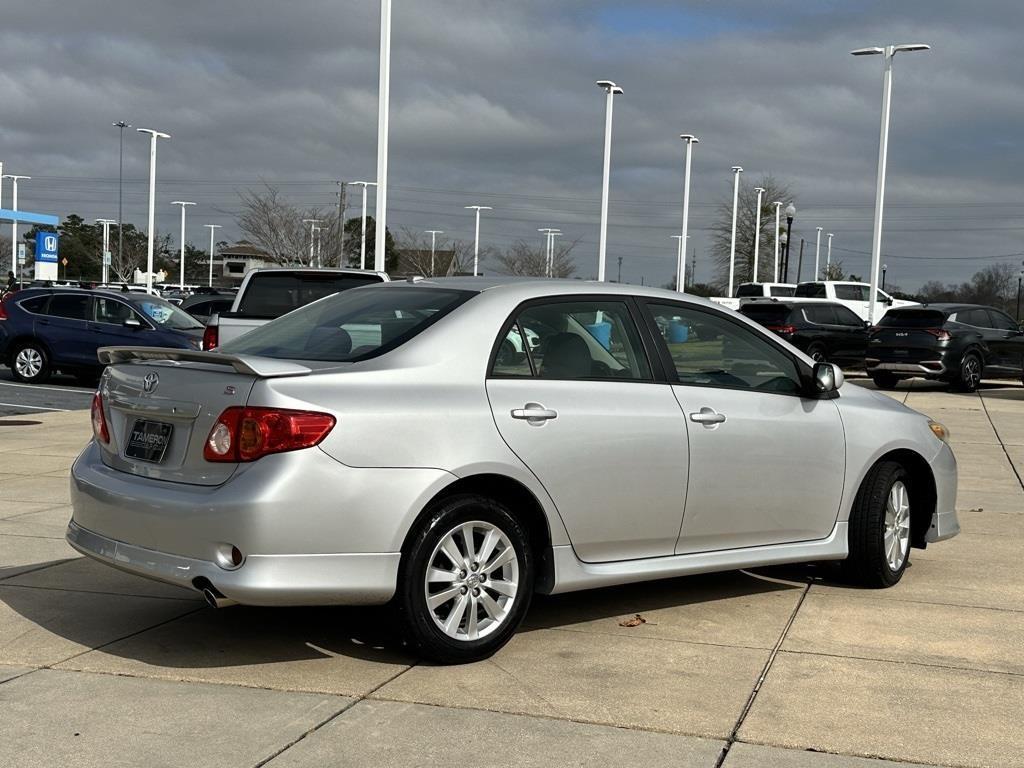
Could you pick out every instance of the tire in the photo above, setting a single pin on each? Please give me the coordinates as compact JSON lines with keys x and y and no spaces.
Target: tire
{"x":30,"y":363}
{"x":968,"y":377}
{"x":431,"y":628}
{"x":817,"y":352}
{"x":885,"y":380}
{"x":879,"y":528}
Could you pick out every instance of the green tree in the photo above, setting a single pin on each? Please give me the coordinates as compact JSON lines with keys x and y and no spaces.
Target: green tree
{"x":353,"y":235}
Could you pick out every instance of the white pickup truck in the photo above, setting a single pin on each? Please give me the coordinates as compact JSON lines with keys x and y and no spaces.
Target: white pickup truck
{"x":755,"y":291}
{"x":855,"y":296}
{"x":267,"y":294}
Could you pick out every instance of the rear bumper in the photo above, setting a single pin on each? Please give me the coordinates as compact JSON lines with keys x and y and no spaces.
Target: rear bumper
{"x":945,"y":524}
{"x":926,"y":368}
{"x":276,"y":580}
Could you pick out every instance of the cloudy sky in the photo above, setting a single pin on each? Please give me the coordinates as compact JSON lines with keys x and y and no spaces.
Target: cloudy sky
{"x":495,"y":103}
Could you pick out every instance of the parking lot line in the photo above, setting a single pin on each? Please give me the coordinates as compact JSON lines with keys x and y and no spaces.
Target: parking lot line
{"x":32,"y":407}
{"x":81,"y":390}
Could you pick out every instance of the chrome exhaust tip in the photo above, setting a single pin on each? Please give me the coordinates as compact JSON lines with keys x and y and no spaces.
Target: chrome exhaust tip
{"x":216,"y":600}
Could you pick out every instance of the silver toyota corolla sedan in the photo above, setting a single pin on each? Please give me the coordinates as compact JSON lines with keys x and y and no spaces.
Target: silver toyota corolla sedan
{"x":456,"y":445}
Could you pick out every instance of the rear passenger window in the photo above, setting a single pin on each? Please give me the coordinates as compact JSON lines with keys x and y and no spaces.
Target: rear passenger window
{"x":73,"y":306}
{"x":36,"y":304}
{"x":820,"y":315}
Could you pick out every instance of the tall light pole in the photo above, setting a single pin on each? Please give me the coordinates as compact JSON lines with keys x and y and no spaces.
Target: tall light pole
{"x":120,"y":125}
{"x":362,"y":239}
{"x":757,"y":229}
{"x":106,"y":247}
{"x":680,"y":259}
{"x":736,"y":171}
{"x":551,"y":252}
{"x":14,"y":223}
{"x":476,"y":240}
{"x":790,"y":214}
{"x":433,"y":244}
{"x":383,"y":96}
{"x":213,"y":228}
{"x":884,"y":268}
{"x":828,"y":258}
{"x":611,"y":89}
{"x":549,"y":249}
{"x":888,"y":52}
{"x":690,"y":140}
{"x":775,"y":275}
{"x":181,"y":266}
{"x":312,"y":232}
{"x":817,"y":253}
{"x":153,"y":136}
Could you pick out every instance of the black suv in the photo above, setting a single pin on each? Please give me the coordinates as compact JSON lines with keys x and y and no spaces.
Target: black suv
{"x":957,"y":343}
{"x":825,"y":331}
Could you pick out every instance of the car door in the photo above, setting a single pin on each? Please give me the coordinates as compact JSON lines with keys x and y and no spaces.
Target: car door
{"x":65,"y":330}
{"x":1007,"y":343}
{"x":822,"y":319}
{"x":767,"y":463}
{"x":583,"y":408}
{"x":854,"y":335}
{"x":108,"y":324}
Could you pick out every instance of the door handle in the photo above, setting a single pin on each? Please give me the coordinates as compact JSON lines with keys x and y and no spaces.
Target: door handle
{"x":709,"y":417}
{"x":534,"y":413}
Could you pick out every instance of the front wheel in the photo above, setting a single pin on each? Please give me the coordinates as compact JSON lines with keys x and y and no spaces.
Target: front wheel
{"x":879,"y":529}
{"x":885,"y":380}
{"x":817,"y":352}
{"x":30,"y":364}
{"x":466,"y":580}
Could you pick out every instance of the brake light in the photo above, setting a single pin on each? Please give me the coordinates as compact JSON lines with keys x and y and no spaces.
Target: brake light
{"x":210,"y":338}
{"x":248,"y":433}
{"x":782,"y":330}
{"x":939,"y":333}
{"x":3,"y":310}
{"x":99,"y":419}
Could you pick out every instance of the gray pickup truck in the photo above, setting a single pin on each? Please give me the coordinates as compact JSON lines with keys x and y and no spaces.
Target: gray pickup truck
{"x":267,"y":294}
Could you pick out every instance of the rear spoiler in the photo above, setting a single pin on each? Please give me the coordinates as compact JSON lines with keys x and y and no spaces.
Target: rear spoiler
{"x":263,"y":367}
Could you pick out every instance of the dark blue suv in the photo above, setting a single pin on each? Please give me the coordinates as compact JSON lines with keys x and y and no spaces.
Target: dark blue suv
{"x":43,"y":330}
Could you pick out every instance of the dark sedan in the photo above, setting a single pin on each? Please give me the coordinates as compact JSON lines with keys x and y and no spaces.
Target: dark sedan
{"x":957,"y":343}
{"x":43,"y":330}
{"x":825,"y":331}
{"x":203,"y":306}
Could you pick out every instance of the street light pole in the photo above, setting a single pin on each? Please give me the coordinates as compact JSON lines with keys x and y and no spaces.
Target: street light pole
{"x":106,"y":247}
{"x":14,"y":223}
{"x":757,"y":230}
{"x":549,"y":249}
{"x":817,"y":253}
{"x":888,"y":52}
{"x":312,"y":230}
{"x":213,"y":228}
{"x":181,"y":266}
{"x":153,"y":136}
{"x":884,"y":268}
{"x":381,"y":228}
{"x":611,"y":89}
{"x":828,"y":258}
{"x":690,"y":140}
{"x":790,"y":213}
{"x":121,"y":125}
{"x":362,"y":240}
{"x":433,"y":244}
{"x":775,"y":274}
{"x":736,"y":171}
{"x":1019,"y":276}
{"x":476,"y":240}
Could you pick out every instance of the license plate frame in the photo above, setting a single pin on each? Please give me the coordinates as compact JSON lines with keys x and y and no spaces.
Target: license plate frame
{"x":148,"y":440}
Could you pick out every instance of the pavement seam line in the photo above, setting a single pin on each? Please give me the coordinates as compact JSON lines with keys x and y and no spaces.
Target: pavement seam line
{"x":98,"y":592}
{"x":34,"y":570}
{"x":999,"y":437}
{"x":903,"y":661}
{"x":872,"y":758}
{"x":335,"y":716}
{"x":733,"y":735}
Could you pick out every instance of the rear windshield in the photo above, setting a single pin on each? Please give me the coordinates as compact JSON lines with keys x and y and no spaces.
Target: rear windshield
{"x":350,"y":326}
{"x":749,"y":289}
{"x":272,"y":294}
{"x":782,"y":290}
{"x":912,"y":318}
{"x":766,"y":314}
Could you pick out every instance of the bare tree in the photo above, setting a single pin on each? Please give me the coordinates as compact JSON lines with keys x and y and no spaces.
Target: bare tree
{"x":280,"y":229}
{"x":721,"y":231}
{"x":834,"y":271}
{"x":527,"y":260}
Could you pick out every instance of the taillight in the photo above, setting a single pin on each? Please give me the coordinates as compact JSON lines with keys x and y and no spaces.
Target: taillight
{"x":99,"y":419}
{"x":939,"y":333}
{"x":247,"y":433}
{"x":782,"y":330}
{"x":3,"y":310}
{"x":210,"y":338}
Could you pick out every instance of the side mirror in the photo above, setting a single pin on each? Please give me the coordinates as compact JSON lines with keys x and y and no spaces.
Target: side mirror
{"x":827,"y":377}
{"x":888,"y":300}
{"x":132,"y":322}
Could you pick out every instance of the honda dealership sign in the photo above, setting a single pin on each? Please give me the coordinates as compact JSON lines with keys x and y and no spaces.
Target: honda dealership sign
{"x":46,"y":255}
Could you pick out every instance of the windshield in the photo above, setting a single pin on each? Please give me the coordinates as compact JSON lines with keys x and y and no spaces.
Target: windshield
{"x":349,"y":326}
{"x":749,"y":289}
{"x":782,"y":290}
{"x":166,"y":315}
{"x":912,"y":318}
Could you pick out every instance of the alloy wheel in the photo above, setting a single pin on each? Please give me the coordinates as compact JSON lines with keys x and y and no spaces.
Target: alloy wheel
{"x":897,"y":526}
{"x":28,"y":362}
{"x":970,"y":372}
{"x":472,"y":580}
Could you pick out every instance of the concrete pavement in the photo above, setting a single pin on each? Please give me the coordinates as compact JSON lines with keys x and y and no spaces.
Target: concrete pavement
{"x":778,"y":667}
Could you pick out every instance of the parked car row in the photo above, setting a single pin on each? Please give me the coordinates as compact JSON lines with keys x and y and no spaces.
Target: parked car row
{"x":855,"y":296}
{"x":957,"y":343}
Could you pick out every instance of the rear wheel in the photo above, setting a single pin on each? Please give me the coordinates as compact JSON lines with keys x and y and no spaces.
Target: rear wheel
{"x":879,"y":529}
{"x":969,"y":376}
{"x":817,"y":352}
{"x":885,"y":380}
{"x":466,"y":580}
{"x":30,"y":363}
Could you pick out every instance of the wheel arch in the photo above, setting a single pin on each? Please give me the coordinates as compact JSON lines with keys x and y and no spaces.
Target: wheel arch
{"x":922,"y":491}
{"x":17,"y":342}
{"x":520,"y":500}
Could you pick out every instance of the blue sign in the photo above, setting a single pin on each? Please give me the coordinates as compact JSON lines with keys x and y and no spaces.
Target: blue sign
{"x":46,"y":247}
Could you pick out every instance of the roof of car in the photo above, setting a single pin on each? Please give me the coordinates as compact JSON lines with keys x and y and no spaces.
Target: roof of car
{"x":945,"y":306}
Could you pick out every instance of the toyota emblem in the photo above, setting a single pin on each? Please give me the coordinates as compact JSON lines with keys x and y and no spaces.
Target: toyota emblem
{"x":149,"y":382}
